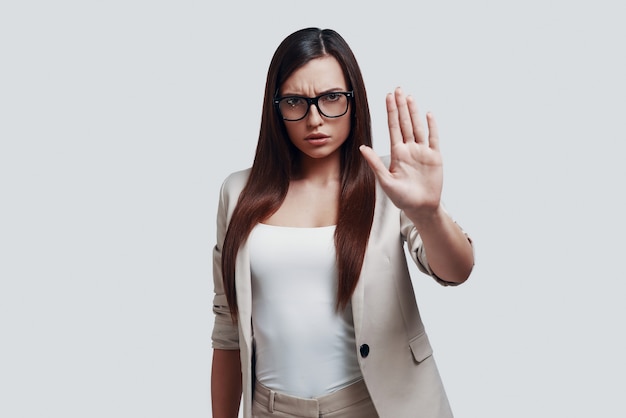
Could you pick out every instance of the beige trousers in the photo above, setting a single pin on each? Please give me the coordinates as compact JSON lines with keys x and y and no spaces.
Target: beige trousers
{"x":350,"y":402}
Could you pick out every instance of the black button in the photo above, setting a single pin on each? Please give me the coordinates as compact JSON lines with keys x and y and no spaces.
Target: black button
{"x":364,"y":350}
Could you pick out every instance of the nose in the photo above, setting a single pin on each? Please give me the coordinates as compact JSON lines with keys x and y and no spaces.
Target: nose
{"x":314,"y":118}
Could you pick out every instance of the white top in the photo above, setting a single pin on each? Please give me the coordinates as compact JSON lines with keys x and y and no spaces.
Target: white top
{"x":303,"y":346}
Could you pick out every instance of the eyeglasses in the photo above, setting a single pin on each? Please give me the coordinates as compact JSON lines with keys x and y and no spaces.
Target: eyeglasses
{"x":331,"y":105}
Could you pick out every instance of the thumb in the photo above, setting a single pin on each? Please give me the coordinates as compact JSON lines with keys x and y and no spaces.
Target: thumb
{"x":373,"y":160}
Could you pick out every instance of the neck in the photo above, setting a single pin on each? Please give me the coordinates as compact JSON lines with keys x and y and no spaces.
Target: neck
{"x":320,"y":170}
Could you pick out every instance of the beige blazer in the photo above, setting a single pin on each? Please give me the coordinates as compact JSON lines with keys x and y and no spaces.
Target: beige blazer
{"x":391,"y":345}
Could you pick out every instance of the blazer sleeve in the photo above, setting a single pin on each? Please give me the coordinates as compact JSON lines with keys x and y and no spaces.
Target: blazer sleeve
{"x":225,"y":334}
{"x":416,"y":248}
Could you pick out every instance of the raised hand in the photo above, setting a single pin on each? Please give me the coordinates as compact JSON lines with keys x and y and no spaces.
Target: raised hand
{"x":414,"y":179}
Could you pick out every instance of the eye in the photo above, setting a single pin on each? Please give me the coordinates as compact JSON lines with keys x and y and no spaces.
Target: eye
{"x":294,"y":101}
{"x":331,"y":97}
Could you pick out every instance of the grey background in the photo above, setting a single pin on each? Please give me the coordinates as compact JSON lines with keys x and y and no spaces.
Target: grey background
{"x":120,"y":119}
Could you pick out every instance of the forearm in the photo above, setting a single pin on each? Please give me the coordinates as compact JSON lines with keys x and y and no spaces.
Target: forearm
{"x":449,"y":252}
{"x":225,"y":383}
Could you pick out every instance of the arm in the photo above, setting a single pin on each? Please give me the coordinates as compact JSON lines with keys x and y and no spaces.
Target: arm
{"x":414,"y":181}
{"x":449,"y":250}
{"x":225,"y":383}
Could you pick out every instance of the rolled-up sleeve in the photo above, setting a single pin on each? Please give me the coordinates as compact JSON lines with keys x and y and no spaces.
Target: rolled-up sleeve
{"x":225,"y":334}
{"x":416,"y":248}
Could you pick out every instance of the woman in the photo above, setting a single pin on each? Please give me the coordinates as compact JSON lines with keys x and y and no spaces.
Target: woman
{"x":315,"y":311}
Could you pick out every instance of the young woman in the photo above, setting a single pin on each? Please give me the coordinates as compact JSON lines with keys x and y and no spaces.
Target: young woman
{"x":315,"y":313}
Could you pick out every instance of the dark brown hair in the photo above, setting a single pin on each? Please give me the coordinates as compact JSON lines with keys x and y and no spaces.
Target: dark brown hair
{"x":276,"y":160}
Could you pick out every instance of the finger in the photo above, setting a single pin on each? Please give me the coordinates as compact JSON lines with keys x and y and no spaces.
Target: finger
{"x":417,"y":125}
{"x":404,"y":116}
{"x":395,"y":133}
{"x":433,"y":132}
{"x":374,"y":161}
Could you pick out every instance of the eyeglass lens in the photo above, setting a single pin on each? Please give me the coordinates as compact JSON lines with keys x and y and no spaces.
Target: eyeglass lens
{"x":331,"y":105}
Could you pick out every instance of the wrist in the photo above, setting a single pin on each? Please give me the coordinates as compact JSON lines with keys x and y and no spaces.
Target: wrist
{"x":424,"y":218}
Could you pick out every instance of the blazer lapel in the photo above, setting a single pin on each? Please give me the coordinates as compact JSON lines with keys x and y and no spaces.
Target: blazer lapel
{"x":244,"y":293}
{"x":357,"y":305}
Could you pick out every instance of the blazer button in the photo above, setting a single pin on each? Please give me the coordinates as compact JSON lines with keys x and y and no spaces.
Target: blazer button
{"x":364,"y":350}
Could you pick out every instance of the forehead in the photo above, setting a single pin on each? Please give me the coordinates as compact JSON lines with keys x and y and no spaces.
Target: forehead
{"x":316,"y":76}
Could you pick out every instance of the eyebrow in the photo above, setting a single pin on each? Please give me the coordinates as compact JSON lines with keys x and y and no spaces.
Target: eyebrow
{"x":331,"y":90}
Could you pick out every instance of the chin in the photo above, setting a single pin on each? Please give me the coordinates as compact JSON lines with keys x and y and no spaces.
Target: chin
{"x":320,"y":154}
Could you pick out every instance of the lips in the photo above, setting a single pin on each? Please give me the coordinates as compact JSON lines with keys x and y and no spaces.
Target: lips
{"x":317,"y":138}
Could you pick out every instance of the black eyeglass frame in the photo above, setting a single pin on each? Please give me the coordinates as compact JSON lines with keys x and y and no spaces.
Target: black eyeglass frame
{"x":313,"y":101}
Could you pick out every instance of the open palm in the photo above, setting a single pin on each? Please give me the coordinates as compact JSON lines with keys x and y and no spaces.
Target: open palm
{"x":414,"y":178}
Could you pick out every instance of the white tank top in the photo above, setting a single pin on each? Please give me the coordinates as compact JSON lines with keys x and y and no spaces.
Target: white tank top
{"x":303,"y":346}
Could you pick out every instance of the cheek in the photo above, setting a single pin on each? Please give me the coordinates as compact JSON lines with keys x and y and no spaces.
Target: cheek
{"x":344,"y":128}
{"x":292,"y":131}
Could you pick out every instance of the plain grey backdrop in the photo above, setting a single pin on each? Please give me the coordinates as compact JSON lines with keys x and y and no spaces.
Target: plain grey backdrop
{"x":120,"y":119}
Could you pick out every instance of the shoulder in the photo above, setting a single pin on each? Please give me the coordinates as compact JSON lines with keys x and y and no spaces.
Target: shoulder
{"x":232,"y":186}
{"x":386,"y":159}
{"x":385,"y":209}
{"x":235,"y":182}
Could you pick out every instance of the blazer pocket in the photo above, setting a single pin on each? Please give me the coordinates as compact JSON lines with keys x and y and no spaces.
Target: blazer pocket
{"x":420,"y":347}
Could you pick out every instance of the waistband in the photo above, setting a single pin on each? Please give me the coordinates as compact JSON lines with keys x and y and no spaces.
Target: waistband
{"x":310,"y":407}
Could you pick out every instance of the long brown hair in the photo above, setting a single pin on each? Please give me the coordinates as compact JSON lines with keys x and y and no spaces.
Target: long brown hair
{"x":276,"y":161}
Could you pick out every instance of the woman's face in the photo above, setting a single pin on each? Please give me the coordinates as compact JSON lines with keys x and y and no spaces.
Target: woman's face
{"x":316,"y":135}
